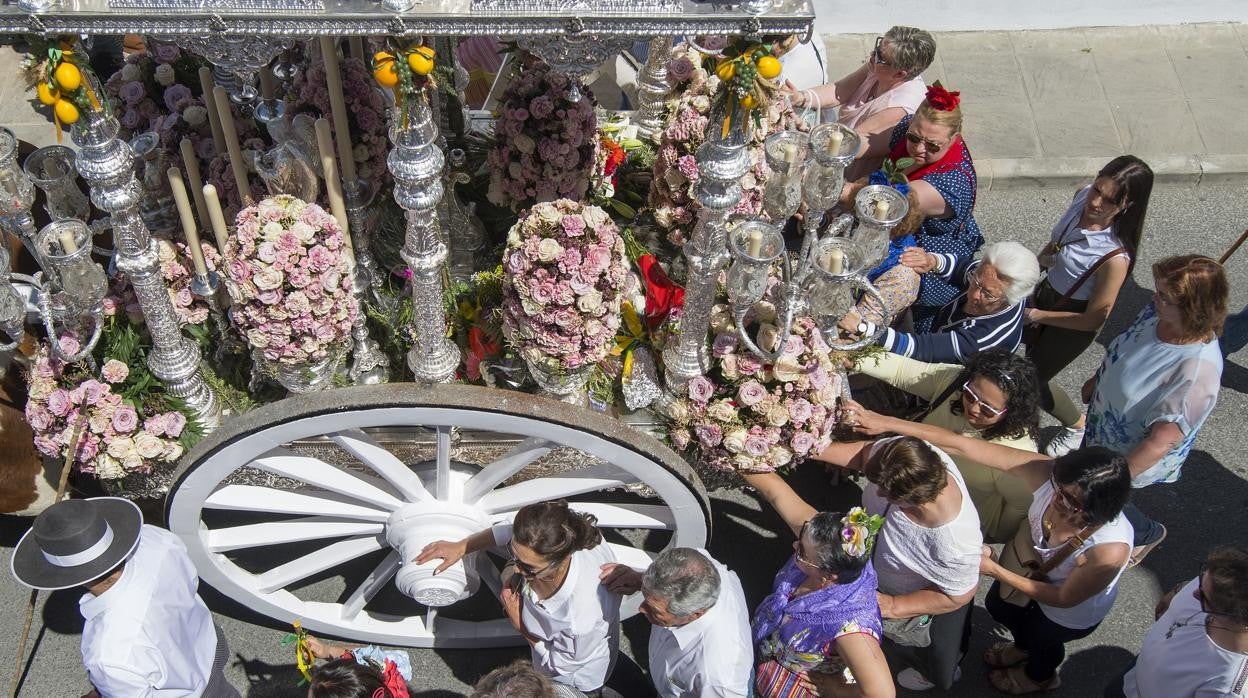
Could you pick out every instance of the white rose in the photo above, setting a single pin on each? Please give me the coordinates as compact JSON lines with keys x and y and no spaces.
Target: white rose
{"x":173,"y":451}
{"x":121,"y":447}
{"x":728,"y":367}
{"x":130,"y":72}
{"x":108,"y":468}
{"x":590,"y":301}
{"x":765,"y":311}
{"x":777,"y":416}
{"x":678,"y":412}
{"x":787,"y":369}
{"x":133,"y":463}
{"x":734,"y":440}
{"x":779,"y":456}
{"x":721,"y":320}
{"x":195,"y":115}
{"x":547,"y":213}
{"x":524,"y":144}
{"x":267,"y":279}
{"x":164,"y":75}
{"x":330,"y":280}
{"x":722,"y":411}
{"x":513,"y":236}
{"x":272,"y":231}
{"x":148,"y":446}
{"x":702,"y":103}
{"x":548,"y":250}
{"x":768,"y":337}
{"x":303,"y":231}
{"x":165,"y":251}
{"x":744,"y":462}
{"x":594,"y":216}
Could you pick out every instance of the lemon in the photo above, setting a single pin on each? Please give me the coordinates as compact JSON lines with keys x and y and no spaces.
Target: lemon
{"x":385,"y":72}
{"x":420,"y":60}
{"x":47,"y":94}
{"x":67,"y":76}
{"x":66,"y":111}
{"x":726,"y":70}
{"x":769,"y":67}
{"x":748,"y":102}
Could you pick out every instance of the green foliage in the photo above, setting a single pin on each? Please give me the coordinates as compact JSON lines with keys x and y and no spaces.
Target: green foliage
{"x":895,"y":170}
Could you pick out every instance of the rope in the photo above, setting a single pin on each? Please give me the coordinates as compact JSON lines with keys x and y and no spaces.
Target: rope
{"x":34,"y":593}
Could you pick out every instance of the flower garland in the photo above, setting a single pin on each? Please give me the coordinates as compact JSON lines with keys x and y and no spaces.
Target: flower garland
{"x":544,"y":145}
{"x":565,"y":281}
{"x":754,"y":417}
{"x":291,"y":284}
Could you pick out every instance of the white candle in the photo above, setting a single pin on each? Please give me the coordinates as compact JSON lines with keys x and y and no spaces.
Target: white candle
{"x":214,"y":121}
{"x":216,"y":217}
{"x":756,"y":243}
{"x":178,"y":188}
{"x":836,"y":261}
{"x":266,"y":84}
{"x":357,"y":47}
{"x":193,"y":180}
{"x":834,"y":141}
{"x":231,"y":144}
{"x":68,"y":246}
{"x":790,"y":153}
{"x":881,"y":209}
{"x":338,"y":108}
{"x":333,"y":187}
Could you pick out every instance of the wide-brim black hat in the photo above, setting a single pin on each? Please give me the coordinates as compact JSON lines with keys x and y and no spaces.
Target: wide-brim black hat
{"x":77,"y":541}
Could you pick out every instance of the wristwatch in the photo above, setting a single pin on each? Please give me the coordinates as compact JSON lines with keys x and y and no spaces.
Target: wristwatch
{"x":863,"y":327}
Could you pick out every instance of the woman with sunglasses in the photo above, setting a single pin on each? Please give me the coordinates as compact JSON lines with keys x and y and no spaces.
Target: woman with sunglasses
{"x":1091,"y":252}
{"x":1076,"y":513}
{"x":551,"y":591}
{"x":993,"y":397}
{"x":821,"y":623}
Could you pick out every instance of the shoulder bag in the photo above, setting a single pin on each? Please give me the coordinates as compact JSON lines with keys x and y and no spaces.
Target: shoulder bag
{"x":1031,"y":333}
{"x":1020,"y":557}
{"x":907,"y":632}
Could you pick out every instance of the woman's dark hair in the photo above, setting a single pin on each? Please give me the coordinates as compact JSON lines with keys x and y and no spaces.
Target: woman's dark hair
{"x":829,"y":551}
{"x":516,"y":680}
{"x":1135,"y":184}
{"x":1016,"y":377}
{"x":347,"y":678}
{"x":906,"y":470}
{"x":1102,"y":477}
{"x":1228,"y":582}
{"x":554,"y":531}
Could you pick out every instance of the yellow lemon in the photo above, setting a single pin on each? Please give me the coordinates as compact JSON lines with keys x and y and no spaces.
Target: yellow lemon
{"x":769,"y":67}
{"x":420,"y":60}
{"x":66,"y":111}
{"x":47,"y":94}
{"x":726,"y":70}
{"x":384,"y":71}
{"x":67,"y":76}
{"x":748,"y":102}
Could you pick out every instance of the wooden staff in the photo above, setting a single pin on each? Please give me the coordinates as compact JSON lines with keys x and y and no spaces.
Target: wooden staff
{"x":1243,"y":236}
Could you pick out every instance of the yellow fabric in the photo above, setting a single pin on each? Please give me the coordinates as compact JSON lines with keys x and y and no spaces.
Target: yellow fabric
{"x":1001,"y":499}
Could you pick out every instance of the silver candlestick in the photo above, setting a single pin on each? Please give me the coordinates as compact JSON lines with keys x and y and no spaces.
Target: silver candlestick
{"x":721,"y":165}
{"x":652,"y":87}
{"x":416,"y":163}
{"x":369,"y":363}
{"x":107,"y":164}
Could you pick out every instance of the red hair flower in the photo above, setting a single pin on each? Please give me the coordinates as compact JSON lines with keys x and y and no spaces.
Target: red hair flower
{"x":942,"y":99}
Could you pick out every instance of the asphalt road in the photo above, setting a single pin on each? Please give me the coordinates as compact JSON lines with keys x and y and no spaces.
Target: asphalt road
{"x":1209,"y":506}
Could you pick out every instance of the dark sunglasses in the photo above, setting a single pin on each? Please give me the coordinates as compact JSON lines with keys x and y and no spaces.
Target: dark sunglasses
{"x":1069,"y":501}
{"x":877,"y":57}
{"x":525,"y":569}
{"x":916,"y":139}
{"x":1202,"y":599}
{"x":797,"y":548}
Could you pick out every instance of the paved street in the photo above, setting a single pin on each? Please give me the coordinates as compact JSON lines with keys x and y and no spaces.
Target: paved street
{"x":1209,"y":506}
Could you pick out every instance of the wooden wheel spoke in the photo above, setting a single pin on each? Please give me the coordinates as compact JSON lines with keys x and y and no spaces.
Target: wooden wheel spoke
{"x":378,"y":578}
{"x":567,"y":484}
{"x":318,"y":561}
{"x":294,"y":531}
{"x":275,"y":501}
{"x":281,"y":461}
{"x":516,"y":460}
{"x":628,"y":515}
{"x":383,"y":462}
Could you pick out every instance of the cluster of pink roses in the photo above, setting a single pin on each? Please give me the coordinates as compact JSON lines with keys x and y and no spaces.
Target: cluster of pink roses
{"x":178,"y":271}
{"x":366,"y":112}
{"x":150,"y":93}
{"x":116,"y":438}
{"x":755,"y":417}
{"x":544,"y":142}
{"x":565,"y":280}
{"x":290,"y":281}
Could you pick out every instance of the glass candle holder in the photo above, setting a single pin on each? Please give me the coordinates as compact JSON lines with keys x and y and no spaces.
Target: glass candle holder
{"x":52,"y":169}
{"x":754,"y":246}
{"x":837,"y":260}
{"x":17,"y":192}
{"x":786,"y":157}
{"x":12,"y":306}
{"x":77,"y":283}
{"x":833,"y":147}
{"x":879,"y":209}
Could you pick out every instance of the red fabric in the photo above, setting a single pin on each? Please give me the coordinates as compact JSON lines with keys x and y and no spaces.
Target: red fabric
{"x":951,"y":160}
{"x":394,"y":680}
{"x":662,"y":294}
{"x":480,"y":347}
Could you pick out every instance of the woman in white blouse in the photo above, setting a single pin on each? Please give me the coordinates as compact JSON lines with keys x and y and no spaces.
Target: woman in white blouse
{"x":551,"y":590}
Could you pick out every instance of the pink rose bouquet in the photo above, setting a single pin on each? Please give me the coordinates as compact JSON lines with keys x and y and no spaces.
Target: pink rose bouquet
{"x":544,"y":144}
{"x":158,"y":90}
{"x":564,"y":284}
{"x":119,"y":436}
{"x":290,"y":281}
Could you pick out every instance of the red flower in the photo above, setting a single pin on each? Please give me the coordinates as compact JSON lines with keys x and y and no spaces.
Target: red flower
{"x":662,"y":294}
{"x":480,"y":347}
{"x":615,"y":158}
{"x":942,"y":99}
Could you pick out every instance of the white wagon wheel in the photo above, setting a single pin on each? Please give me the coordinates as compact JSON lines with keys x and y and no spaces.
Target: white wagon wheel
{"x":312,"y":508}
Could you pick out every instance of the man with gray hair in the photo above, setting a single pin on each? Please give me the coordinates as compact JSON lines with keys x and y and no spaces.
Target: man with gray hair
{"x":700,"y":643}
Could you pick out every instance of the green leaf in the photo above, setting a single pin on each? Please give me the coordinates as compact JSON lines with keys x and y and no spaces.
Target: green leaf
{"x":903,"y":163}
{"x":623,"y":209}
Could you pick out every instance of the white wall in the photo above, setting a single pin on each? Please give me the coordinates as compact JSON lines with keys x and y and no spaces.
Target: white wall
{"x":874,"y":16}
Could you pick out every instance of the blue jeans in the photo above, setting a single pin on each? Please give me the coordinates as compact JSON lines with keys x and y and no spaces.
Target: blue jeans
{"x":1235,"y":333}
{"x":1146,"y":530}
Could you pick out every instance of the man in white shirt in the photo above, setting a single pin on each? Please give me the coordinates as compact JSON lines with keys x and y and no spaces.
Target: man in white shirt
{"x":1199,"y":646}
{"x":147,"y":632}
{"x":700,"y":644}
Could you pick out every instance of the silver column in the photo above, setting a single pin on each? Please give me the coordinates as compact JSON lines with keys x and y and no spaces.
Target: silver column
{"x":652,"y":87}
{"x":107,"y":164}
{"x":368,"y":362}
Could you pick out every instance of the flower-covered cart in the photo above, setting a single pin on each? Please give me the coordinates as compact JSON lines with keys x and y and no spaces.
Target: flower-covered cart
{"x":321,"y":362}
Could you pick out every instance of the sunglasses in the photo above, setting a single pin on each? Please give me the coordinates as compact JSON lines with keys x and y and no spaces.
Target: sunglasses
{"x":983,"y":291}
{"x":877,"y":57}
{"x":797,"y":549}
{"x":971,"y":395}
{"x":930,"y":145}
{"x":1199,"y":593}
{"x":525,"y":569}
{"x":1067,"y":500}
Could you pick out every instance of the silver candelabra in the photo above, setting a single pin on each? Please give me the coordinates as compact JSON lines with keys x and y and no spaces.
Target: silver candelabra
{"x":652,"y":87}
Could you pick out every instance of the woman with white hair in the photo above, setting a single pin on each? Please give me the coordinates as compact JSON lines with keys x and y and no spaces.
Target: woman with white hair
{"x":987,"y":314}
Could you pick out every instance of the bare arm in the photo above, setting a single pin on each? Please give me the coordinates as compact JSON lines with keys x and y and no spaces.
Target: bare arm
{"x":1105,"y":286}
{"x":931,"y":203}
{"x":835,"y":94}
{"x":865,"y":659}
{"x":1162,"y":438}
{"x":924,"y":601}
{"x":792,"y":509}
{"x":1033,"y":468}
{"x":876,"y":131}
{"x":847,"y":454}
{"x":451,"y":552}
{"x":1101,"y":565}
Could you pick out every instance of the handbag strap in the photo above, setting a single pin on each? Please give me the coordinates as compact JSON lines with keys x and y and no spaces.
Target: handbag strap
{"x":1088,"y":274}
{"x":1070,"y":547}
{"x":940,"y":400}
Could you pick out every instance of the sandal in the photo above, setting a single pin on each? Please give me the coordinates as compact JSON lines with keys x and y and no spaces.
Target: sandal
{"x":996,"y":656}
{"x":1014,"y":681}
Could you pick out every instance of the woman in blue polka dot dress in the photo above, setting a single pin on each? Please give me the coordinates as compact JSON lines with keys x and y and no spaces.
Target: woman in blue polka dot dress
{"x":943,"y":179}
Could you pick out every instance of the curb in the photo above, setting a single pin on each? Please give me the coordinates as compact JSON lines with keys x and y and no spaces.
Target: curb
{"x":1005,"y":173}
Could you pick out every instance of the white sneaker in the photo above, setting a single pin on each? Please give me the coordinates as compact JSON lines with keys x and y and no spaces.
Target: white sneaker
{"x":911,"y":680}
{"x":1067,"y":440}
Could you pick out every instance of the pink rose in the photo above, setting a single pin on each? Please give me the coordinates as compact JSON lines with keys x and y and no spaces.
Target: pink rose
{"x":59,"y":402}
{"x":751,"y":393}
{"x":175,"y":422}
{"x":125,"y":419}
{"x":701,"y":389}
{"x":802,"y":442}
{"x":756,"y":445}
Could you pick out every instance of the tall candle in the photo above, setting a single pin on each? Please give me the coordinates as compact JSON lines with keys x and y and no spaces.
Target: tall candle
{"x":357,"y":47}
{"x":881,"y":209}
{"x":338,"y":107}
{"x":836,"y":261}
{"x":333,"y":187}
{"x":214,"y":121}
{"x":68,"y":246}
{"x":756,"y":243}
{"x":193,"y":180}
{"x":266,"y":84}
{"x":231,"y":143}
{"x":178,"y":188}
{"x":834,"y":141}
{"x":216,"y":217}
